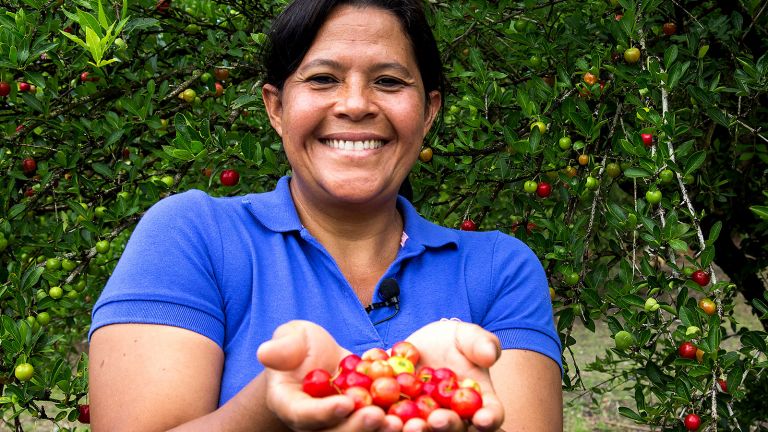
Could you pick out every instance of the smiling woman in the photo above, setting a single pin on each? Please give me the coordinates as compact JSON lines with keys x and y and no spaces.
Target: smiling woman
{"x":352,"y":89}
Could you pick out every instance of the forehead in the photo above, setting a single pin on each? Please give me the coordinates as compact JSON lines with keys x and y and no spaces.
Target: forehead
{"x":366,"y":26}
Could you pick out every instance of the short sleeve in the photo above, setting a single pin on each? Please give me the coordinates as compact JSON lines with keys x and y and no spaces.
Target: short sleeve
{"x":167,"y":274}
{"x":520,"y":313}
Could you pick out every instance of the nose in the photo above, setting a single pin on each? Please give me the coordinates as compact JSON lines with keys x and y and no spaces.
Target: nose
{"x":355,"y":101}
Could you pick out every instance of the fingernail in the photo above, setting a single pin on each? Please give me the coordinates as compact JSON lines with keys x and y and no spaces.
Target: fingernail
{"x":439,"y":424}
{"x":370,"y":423}
{"x":342,"y":411}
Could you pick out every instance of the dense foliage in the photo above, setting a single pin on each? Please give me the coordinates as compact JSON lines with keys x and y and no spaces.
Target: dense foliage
{"x":645,"y":118}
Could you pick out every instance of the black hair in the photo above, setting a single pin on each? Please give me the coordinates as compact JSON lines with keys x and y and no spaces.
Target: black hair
{"x":295,"y":29}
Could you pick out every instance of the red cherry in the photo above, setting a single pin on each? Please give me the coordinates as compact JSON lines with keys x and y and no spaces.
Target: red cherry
{"x":426,"y":405}
{"x":84,"y":415}
{"x":317,"y":383}
{"x":468,"y":225}
{"x":687,"y":350}
{"x":443,"y":373}
{"x":406,"y":350}
{"x":375,"y":354}
{"x":84,"y":76}
{"x":723,"y":385}
{"x":23,"y":87}
{"x":647,"y":139}
{"x":5,"y":89}
{"x":229,"y":177}
{"x":700,"y":277}
{"x":465,"y":402}
{"x":405,"y":409}
{"x":349,"y":363}
{"x":163,"y":6}
{"x":669,"y":28}
{"x":544,"y":189}
{"x":221,"y":74}
{"x":361,"y":397}
{"x":219,"y":89}
{"x":356,"y":379}
{"x":385,"y":391}
{"x":444,"y":391}
{"x":692,"y":422}
{"x":425,"y":373}
{"x":410,"y":384}
{"x":28,"y":166}
{"x":29,"y":192}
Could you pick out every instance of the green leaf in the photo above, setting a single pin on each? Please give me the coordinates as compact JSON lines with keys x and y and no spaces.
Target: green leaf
{"x":753,"y":339}
{"x":17,"y":210}
{"x":102,"y":17}
{"x":714,"y":232}
{"x":30,"y":278}
{"x":103,"y":169}
{"x":714,"y":332}
{"x":678,"y":245}
{"x":245,"y":101}
{"x":627,"y":412}
{"x":654,"y":373}
{"x":703,"y":51}
{"x":75,"y":39}
{"x":140,"y":24}
{"x":636,"y":173}
{"x":670,"y":55}
{"x":715,"y":114}
{"x":88,"y":21}
{"x":694,"y":162}
{"x":760,"y":211}
{"x":94,"y":44}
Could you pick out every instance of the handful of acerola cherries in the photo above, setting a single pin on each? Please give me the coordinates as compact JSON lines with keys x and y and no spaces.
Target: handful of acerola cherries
{"x":391,"y":382}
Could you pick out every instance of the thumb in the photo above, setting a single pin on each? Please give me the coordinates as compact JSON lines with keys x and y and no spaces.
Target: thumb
{"x":287,"y":349}
{"x":478,"y":345}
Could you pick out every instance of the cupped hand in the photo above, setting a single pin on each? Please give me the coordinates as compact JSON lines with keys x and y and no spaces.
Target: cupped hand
{"x":470,"y":351}
{"x":296,"y":348}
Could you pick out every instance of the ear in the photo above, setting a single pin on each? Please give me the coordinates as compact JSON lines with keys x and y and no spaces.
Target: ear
{"x":434,"y":101}
{"x":274,"y":106}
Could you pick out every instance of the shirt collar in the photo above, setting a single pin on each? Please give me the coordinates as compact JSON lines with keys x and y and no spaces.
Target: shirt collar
{"x":276,"y":211}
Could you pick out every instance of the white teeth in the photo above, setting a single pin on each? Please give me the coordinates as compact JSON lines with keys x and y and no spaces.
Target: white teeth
{"x":354,"y":145}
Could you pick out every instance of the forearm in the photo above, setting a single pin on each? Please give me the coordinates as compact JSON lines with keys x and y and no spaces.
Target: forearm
{"x":246,"y":411}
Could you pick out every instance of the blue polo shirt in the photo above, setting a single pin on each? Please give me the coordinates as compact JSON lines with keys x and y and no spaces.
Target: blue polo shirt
{"x":233,"y":269}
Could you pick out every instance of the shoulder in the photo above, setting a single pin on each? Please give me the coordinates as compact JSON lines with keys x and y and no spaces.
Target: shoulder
{"x":191,"y":201}
{"x":192,"y":207}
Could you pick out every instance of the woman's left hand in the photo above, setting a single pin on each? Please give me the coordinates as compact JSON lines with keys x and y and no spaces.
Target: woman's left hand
{"x":469,"y":351}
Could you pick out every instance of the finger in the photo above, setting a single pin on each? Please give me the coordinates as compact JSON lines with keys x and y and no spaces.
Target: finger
{"x":287,"y":349}
{"x":478,"y":345}
{"x":445,"y":420}
{"x":369,"y":419}
{"x":303,"y":412}
{"x":491,"y":416}
{"x":416,"y":425}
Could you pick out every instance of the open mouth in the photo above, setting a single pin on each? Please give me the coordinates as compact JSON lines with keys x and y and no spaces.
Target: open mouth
{"x":353,"y":145}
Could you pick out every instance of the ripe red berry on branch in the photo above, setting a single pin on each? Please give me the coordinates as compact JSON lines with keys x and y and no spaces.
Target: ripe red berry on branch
{"x":700,"y":277}
{"x":468,"y":225}
{"x":692,"y":422}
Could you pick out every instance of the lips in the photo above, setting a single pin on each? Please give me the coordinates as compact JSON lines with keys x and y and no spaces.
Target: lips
{"x":353,"y":145}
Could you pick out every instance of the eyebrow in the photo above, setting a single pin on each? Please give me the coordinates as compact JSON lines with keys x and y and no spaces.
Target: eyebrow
{"x":377,"y":67}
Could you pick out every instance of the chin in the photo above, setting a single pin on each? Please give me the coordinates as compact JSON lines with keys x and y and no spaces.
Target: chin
{"x":360,"y":191}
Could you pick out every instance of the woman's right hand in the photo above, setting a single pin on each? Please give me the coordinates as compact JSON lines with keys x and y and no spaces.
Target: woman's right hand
{"x":296,"y":348}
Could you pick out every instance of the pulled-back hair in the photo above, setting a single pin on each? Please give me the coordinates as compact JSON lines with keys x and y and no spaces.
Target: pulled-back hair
{"x":295,"y":29}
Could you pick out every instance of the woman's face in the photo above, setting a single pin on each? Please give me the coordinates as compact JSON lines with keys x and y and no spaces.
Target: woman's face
{"x":353,"y":115}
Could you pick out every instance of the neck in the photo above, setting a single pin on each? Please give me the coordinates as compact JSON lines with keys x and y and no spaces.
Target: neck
{"x":376,"y":222}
